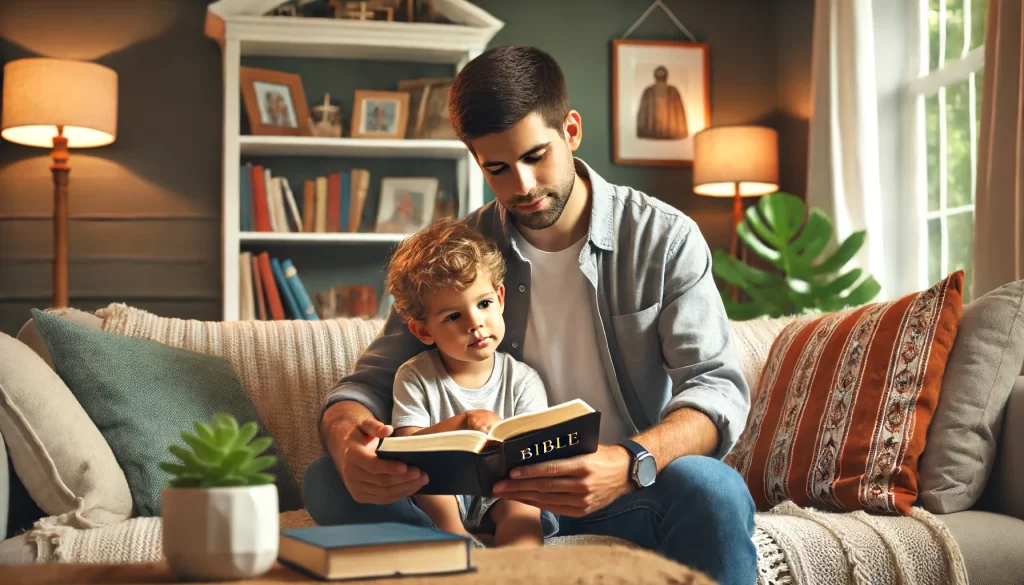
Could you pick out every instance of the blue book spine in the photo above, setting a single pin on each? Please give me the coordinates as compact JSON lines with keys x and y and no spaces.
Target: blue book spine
{"x":302,"y":300}
{"x":245,"y":198}
{"x":346,"y":200}
{"x":286,"y":292}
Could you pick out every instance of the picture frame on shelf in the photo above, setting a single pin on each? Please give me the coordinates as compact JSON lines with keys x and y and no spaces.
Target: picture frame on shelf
{"x":428,"y":108}
{"x":275,"y":102}
{"x":406,"y":204}
{"x":379,"y":114}
{"x":661,"y":97}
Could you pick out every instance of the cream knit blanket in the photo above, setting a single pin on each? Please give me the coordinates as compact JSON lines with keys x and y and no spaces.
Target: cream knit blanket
{"x":287,"y":367}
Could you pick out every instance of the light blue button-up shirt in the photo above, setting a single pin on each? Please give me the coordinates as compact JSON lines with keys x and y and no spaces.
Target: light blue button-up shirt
{"x":666,"y":340}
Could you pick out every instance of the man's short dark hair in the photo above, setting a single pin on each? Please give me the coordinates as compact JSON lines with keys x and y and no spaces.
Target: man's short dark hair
{"x":503,"y":85}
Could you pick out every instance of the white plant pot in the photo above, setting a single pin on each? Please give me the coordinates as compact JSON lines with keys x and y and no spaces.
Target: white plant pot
{"x":220,"y":533}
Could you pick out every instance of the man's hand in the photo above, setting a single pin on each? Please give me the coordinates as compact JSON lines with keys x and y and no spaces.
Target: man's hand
{"x":571,"y":487}
{"x":370,"y":480}
{"x":481,"y":420}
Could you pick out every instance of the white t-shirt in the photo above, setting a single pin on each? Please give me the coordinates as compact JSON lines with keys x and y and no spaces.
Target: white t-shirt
{"x":561,"y":336}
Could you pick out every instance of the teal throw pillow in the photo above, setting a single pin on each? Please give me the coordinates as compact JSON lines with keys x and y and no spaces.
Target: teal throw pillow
{"x":142,"y":394}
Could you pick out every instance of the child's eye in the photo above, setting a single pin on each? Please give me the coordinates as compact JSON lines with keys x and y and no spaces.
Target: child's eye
{"x":452,"y":317}
{"x":485,"y":303}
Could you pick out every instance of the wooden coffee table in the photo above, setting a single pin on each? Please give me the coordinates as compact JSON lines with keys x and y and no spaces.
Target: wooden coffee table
{"x":604,"y":564}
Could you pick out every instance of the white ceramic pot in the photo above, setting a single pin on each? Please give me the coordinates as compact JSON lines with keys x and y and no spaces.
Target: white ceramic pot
{"x":220,"y":533}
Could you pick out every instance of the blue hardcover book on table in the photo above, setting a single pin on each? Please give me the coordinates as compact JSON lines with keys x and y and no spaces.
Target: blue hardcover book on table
{"x":362,"y":551}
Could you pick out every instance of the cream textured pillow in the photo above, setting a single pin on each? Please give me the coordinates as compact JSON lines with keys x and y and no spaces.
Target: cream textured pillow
{"x":55,"y":448}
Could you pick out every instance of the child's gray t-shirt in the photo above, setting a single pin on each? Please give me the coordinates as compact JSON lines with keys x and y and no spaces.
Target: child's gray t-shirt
{"x":424,"y":393}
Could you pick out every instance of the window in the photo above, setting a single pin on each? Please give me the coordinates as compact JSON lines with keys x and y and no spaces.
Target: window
{"x":945,"y":100}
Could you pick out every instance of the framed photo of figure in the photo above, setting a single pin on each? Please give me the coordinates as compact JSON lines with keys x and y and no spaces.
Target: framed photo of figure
{"x":380,"y":114}
{"x":661,"y":97}
{"x":406,"y":204}
{"x":275,"y":102}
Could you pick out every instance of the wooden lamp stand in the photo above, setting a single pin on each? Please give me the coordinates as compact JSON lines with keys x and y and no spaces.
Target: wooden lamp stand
{"x":61,"y":170}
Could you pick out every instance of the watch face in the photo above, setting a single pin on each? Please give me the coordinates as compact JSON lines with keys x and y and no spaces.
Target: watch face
{"x":646,"y":471}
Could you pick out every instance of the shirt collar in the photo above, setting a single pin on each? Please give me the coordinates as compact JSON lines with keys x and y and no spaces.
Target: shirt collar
{"x":601,"y":228}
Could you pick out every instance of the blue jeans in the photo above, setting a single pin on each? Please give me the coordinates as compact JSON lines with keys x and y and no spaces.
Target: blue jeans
{"x":698,"y":513}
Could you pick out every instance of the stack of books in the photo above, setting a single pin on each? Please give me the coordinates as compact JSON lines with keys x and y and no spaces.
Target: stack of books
{"x":270,"y":289}
{"x":329,"y":204}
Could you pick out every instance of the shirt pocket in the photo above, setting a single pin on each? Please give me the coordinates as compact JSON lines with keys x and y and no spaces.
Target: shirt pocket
{"x":640,"y":347}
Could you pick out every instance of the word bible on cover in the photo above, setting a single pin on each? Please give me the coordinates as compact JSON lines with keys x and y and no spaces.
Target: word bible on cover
{"x":470,"y":462}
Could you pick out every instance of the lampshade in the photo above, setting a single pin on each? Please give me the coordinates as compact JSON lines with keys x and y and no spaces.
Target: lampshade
{"x":725,"y":156}
{"x":41,"y":93}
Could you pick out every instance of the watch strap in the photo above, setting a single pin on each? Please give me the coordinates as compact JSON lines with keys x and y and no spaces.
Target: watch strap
{"x":634,"y":448}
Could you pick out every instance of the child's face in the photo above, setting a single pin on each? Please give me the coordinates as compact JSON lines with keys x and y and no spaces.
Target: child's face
{"x":466,"y":325}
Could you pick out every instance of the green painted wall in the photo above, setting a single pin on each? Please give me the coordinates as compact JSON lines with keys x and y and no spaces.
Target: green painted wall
{"x":760,"y":66}
{"x":145,"y":211}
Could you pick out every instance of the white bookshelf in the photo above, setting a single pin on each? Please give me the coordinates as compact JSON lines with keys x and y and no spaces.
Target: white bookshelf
{"x":240,"y":30}
{"x":319,"y":238}
{"x":350,"y":147}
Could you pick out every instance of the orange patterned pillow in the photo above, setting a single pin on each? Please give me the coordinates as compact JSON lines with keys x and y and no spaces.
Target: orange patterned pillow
{"x":839,"y":416}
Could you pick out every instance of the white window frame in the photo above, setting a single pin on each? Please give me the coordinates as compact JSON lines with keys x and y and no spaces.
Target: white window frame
{"x":922,"y":83}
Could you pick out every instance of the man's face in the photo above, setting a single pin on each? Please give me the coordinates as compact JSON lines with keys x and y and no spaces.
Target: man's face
{"x":530,"y":169}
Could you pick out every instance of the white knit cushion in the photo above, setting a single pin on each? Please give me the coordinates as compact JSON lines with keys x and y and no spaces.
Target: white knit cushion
{"x":288,"y":367}
{"x":753,"y":340}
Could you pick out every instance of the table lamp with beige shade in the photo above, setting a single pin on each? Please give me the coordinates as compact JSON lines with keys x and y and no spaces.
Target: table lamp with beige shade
{"x":59,"y":104}
{"x":736,"y":161}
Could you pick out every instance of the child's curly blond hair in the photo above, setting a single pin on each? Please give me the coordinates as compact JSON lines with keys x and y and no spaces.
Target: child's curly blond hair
{"x":446,"y":255}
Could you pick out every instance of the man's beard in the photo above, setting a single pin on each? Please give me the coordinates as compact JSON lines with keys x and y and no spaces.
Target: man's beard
{"x":545,"y":218}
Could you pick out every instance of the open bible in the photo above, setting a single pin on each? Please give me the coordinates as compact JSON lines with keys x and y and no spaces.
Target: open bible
{"x":471,"y":462}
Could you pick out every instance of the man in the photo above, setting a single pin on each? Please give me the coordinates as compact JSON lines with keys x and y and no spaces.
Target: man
{"x":611,"y":299}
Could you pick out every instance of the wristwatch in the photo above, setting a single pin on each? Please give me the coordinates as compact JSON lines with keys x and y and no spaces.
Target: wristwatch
{"x":644,"y":468}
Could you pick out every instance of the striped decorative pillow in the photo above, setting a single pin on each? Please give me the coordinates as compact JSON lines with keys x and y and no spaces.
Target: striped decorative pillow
{"x":840,"y":414}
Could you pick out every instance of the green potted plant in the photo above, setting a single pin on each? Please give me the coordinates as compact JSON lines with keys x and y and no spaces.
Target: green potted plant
{"x":220,"y":508}
{"x":793,"y":240}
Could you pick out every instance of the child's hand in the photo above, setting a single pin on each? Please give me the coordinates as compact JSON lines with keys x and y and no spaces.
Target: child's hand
{"x":481,"y":420}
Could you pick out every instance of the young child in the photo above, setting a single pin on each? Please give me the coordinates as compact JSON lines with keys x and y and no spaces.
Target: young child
{"x":447,"y":283}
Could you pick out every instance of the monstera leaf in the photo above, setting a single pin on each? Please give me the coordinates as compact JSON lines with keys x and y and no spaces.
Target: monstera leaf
{"x":780,"y":230}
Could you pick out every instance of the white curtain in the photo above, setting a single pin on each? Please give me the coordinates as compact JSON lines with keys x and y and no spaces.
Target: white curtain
{"x":843,"y":167}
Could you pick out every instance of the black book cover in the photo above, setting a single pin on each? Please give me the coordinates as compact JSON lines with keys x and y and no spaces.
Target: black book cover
{"x":474,"y":474}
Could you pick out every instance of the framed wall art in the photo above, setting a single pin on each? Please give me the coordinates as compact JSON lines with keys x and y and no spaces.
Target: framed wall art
{"x":380,"y":114}
{"x":660,"y":99}
{"x":274,"y":102}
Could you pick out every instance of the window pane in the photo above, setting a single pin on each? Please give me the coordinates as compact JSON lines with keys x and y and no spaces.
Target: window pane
{"x":958,"y":145}
{"x":961,"y":242}
{"x":979,"y":14}
{"x":931,"y":129}
{"x":934,"y":250}
{"x":933,"y":35}
{"x":954,"y":29}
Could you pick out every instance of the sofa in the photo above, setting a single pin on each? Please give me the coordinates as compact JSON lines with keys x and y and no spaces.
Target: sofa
{"x":60,"y":459}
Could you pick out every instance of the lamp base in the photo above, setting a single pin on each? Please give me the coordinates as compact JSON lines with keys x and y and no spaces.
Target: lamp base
{"x":734,"y":245}
{"x":61,"y":170}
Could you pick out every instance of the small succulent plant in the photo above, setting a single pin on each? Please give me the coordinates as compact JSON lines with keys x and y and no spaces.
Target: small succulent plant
{"x":223,"y":454}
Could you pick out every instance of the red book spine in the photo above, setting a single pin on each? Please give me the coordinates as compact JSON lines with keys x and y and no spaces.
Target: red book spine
{"x":261,"y":215}
{"x":270,"y":286}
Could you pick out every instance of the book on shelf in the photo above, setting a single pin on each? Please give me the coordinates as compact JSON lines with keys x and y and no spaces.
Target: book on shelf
{"x":365,"y":551}
{"x":469,"y":462}
{"x":270,"y":288}
{"x":331,"y":203}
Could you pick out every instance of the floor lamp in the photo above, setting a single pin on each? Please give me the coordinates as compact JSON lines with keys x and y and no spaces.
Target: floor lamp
{"x":59,"y":104}
{"x":736,"y":161}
